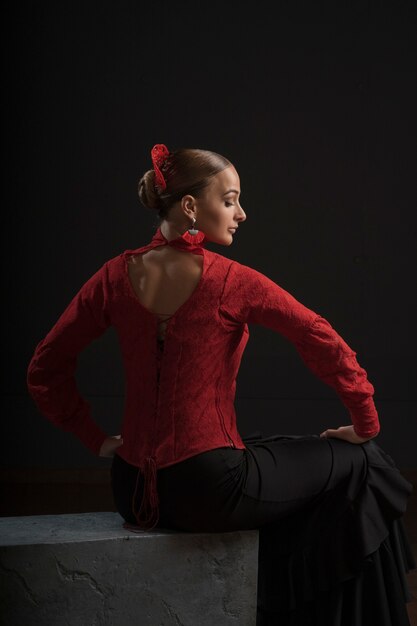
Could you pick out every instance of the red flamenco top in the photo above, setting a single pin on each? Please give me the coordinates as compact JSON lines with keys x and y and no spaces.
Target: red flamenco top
{"x":167,"y":420}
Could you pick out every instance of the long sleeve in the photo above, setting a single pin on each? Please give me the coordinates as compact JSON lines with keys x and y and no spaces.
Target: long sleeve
{"x":252,"y":297}
{"x":51,"y":372}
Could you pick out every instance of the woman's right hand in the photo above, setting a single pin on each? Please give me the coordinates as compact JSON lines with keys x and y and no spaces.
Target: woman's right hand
{"x":345,"y":432}
{"x":110,"y":445}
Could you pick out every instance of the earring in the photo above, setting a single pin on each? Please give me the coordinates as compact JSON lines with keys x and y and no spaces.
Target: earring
{"x":192,"y":230}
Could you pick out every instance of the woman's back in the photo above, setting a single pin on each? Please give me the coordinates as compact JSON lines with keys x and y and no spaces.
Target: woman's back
{"x":163,"y":279}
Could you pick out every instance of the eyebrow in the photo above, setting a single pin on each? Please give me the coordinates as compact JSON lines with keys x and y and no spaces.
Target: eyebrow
{"x":230,"y":191}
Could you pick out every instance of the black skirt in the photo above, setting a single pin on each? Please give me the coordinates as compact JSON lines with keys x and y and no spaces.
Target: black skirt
{"x":333,"y":549}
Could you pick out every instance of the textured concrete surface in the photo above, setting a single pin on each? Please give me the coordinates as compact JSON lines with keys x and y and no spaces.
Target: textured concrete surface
{"x":85,"y":569}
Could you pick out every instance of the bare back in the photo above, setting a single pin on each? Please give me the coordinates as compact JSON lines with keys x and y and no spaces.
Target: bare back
{"x":163,"y":279}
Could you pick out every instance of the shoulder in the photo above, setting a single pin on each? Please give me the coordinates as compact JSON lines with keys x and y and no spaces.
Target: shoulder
{"x":245,"y":273}
{"x":240,"y":281}
{"x":107,"y":274}
{"x":236,"y":274}
{"x":232,"y":266}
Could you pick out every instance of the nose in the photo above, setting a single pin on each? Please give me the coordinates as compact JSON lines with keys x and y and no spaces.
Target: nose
{"x":241,"y":215}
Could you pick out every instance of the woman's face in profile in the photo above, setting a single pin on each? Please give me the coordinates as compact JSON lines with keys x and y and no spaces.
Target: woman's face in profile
{"x":218,"y":208}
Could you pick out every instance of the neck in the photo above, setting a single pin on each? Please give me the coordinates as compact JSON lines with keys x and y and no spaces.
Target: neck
{"x":172,"y":231}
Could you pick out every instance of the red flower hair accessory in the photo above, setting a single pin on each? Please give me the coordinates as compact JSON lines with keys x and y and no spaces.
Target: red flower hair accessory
{"x":159,"y":154}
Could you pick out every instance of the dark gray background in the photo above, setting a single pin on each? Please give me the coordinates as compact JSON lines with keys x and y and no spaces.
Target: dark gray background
{"x":315,"y":106}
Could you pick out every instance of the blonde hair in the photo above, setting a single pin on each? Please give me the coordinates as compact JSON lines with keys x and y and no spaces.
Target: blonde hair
{"x":186,"y":171}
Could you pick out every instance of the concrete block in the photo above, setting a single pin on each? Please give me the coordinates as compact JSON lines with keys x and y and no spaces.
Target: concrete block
{"x":87,"y":570}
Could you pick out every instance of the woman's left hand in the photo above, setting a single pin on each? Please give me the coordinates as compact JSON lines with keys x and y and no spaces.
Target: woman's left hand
{"x":344,"y":432}
{"x":110,"y":445}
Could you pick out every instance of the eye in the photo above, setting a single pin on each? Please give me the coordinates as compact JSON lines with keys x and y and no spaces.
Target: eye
{"x":228,"y":203}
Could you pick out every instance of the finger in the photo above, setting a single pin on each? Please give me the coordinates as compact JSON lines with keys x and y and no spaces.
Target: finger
{"x":332,"y":432}
{"x":328,"y":432}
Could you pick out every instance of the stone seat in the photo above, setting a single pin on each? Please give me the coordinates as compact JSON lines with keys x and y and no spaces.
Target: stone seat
{"x":85,"y":569}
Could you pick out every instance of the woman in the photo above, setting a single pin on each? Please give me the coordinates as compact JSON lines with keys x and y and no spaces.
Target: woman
{"x":333,"y":549}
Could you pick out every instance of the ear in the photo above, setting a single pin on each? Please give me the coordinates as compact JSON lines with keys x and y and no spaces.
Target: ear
{"x":188,"y":203}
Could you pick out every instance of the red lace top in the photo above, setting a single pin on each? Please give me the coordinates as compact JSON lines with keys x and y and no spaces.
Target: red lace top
{"x":166,"y":419}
